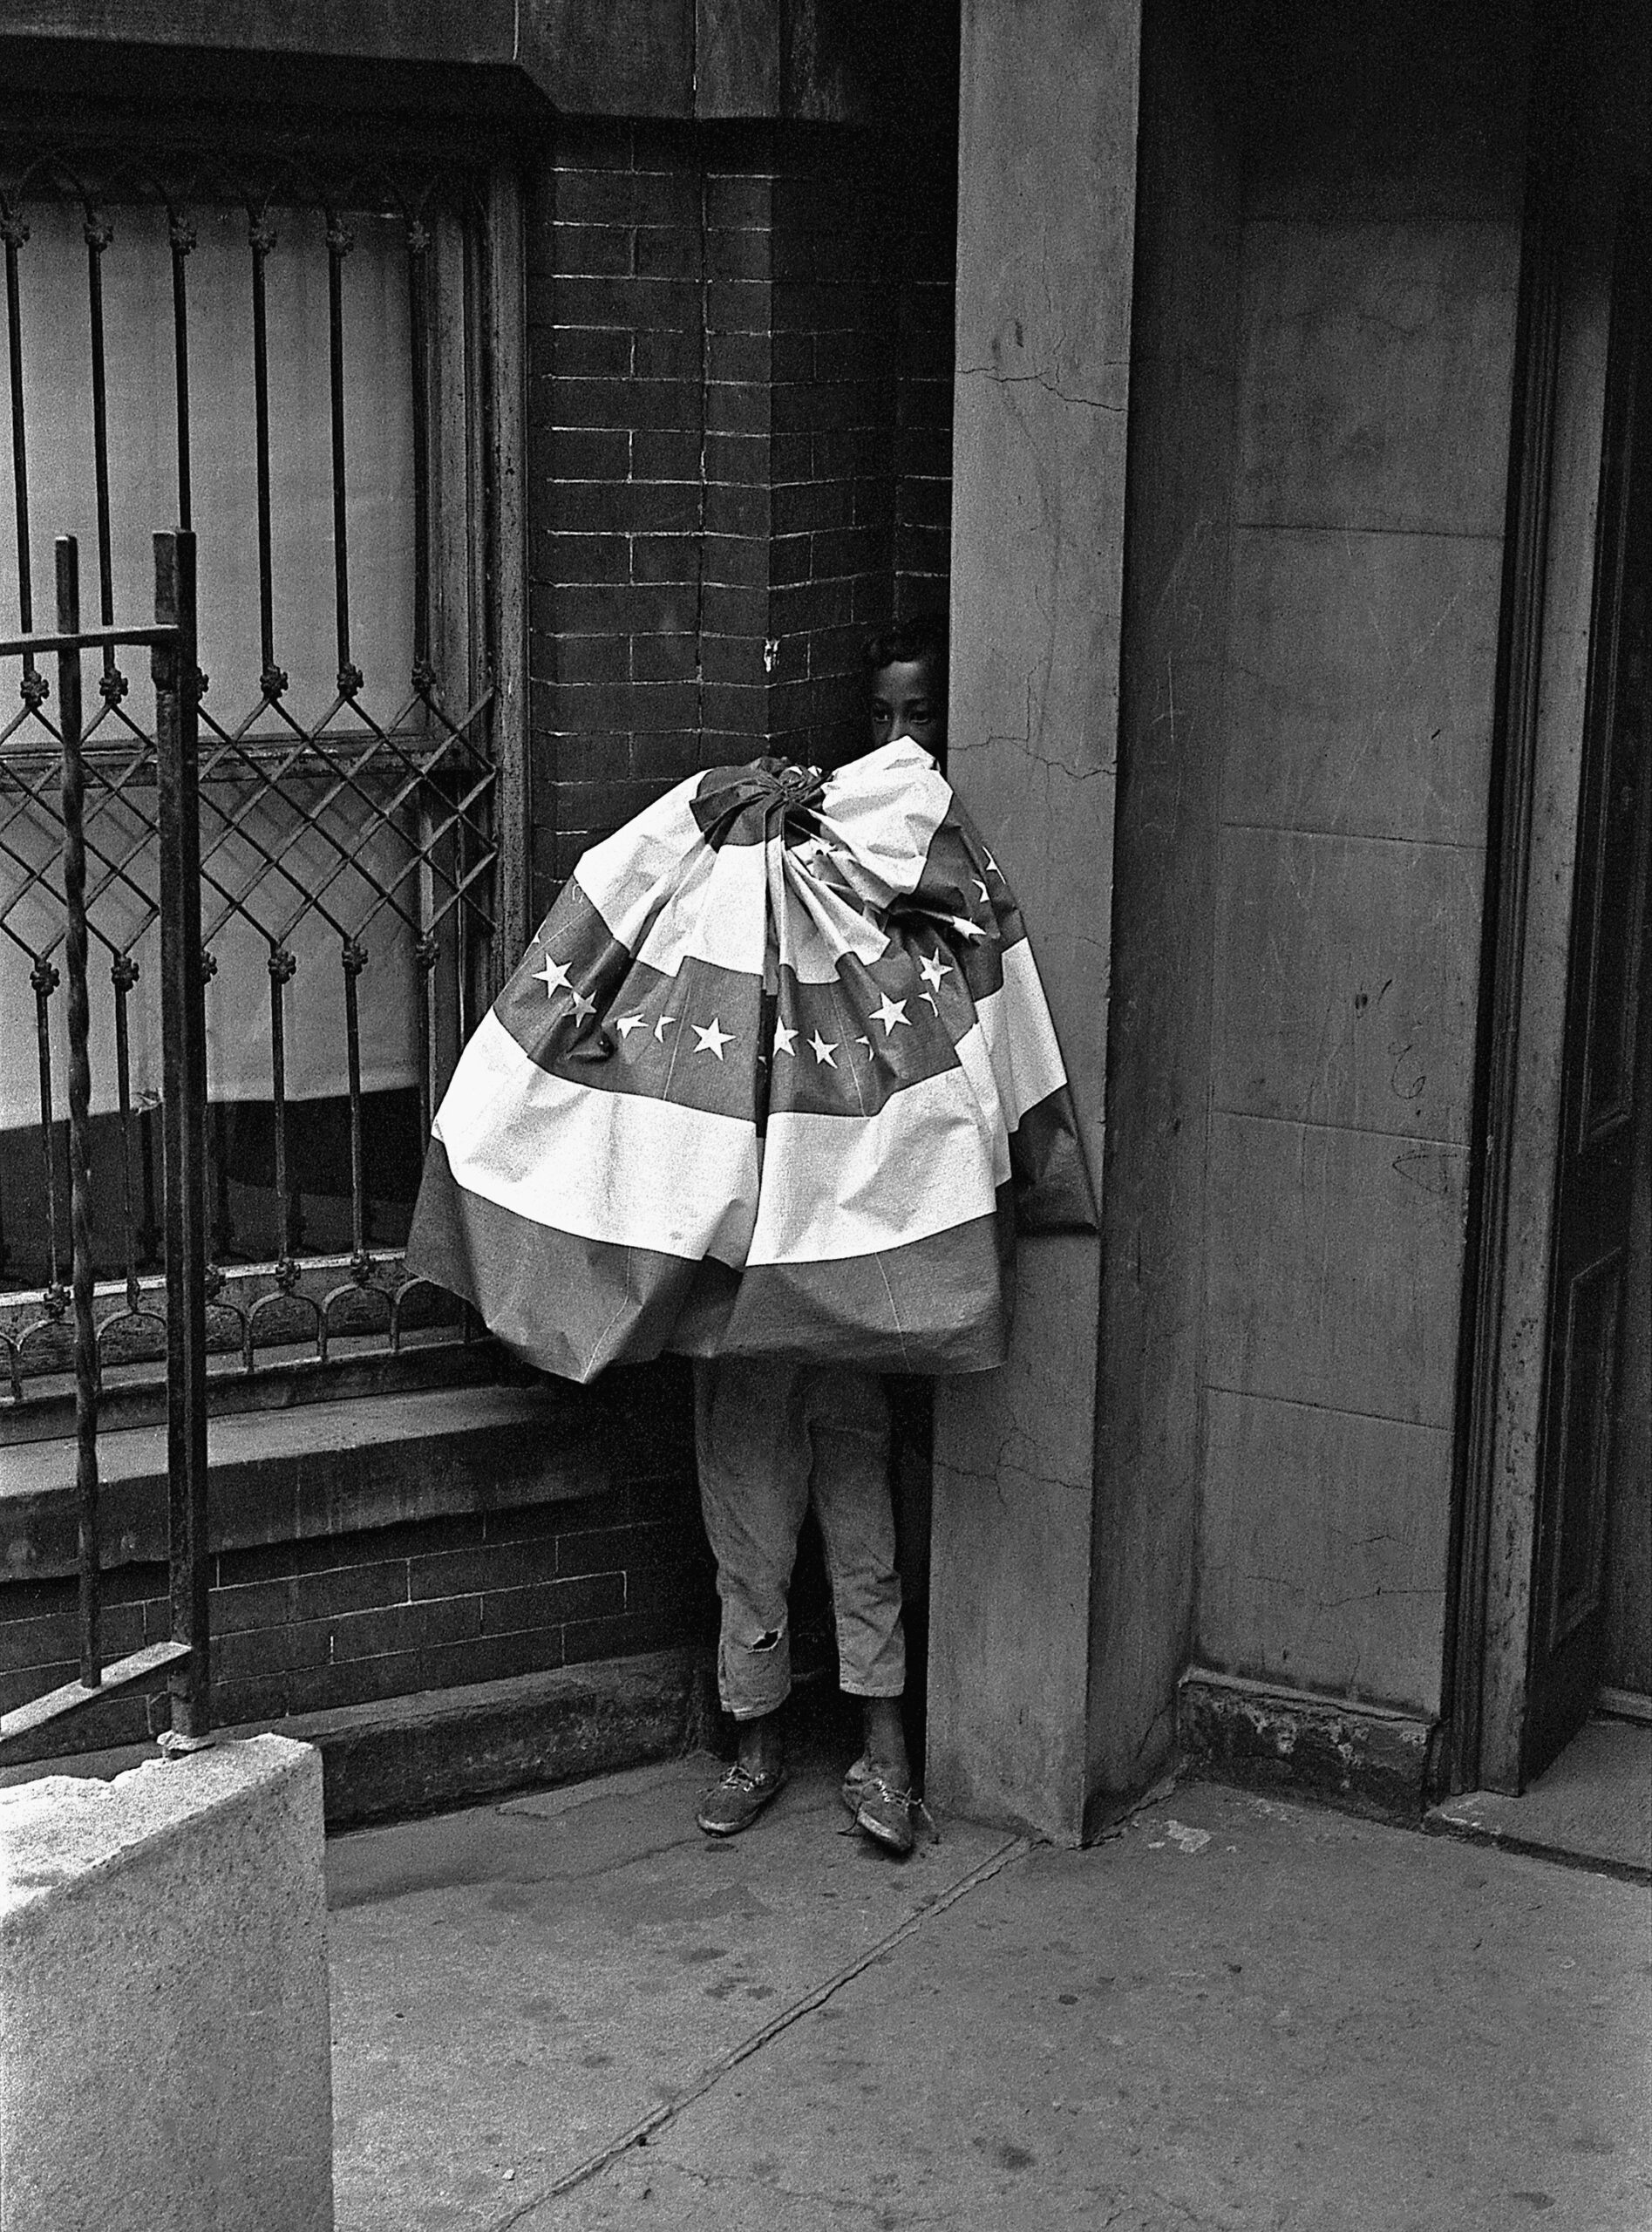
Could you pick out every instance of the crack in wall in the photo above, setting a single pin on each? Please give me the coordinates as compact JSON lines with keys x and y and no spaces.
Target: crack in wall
{"x":1046,"y":382}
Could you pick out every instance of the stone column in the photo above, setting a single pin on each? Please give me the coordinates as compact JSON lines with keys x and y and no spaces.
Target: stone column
{"x":1047,"y":166}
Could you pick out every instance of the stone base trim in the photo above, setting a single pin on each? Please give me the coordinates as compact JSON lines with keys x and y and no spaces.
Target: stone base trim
{"x":1367,"y":1758}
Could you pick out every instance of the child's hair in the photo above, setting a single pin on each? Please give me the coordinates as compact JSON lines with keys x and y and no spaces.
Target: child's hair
{"x":921,"y":636}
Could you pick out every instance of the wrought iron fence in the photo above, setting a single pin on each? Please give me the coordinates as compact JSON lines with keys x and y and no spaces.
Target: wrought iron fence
{"x":348,"y":802}
{"x":184,"y":1656}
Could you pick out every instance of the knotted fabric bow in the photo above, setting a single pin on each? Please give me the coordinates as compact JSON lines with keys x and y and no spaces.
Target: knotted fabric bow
{"x":775,"y":1077}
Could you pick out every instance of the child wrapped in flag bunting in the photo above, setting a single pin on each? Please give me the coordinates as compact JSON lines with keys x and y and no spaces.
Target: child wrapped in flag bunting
{"x":776,"y":1077}
{"x":772,"y":1085}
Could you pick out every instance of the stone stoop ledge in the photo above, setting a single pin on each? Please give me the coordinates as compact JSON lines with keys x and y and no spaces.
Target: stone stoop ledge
{"x":164,"y":2040}
{"x":1366,"y":1758}
{"x":440,"y":1748}
{"x":314,"y":1469}
{"x":459,"y":1747}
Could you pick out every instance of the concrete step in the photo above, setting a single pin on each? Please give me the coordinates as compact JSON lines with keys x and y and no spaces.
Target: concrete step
{"x":441,"y":1748}
{"x":321,"y":1468}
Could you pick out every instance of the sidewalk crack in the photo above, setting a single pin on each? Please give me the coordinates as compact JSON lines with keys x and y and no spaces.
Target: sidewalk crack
{"x":660,"y":2119}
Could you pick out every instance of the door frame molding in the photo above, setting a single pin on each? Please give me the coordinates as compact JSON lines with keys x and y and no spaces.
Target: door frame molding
{"x":1576,"y":191}
{"x":1505,"y":934}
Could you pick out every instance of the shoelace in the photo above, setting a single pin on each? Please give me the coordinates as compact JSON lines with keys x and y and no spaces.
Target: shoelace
{"x":885,"y":1789}
{"x":741,"y":1777}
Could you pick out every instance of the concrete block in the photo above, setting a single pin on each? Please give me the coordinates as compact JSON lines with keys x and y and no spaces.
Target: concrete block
{"x":1360,"y":682}
{"x":1334,"y":1267}
{"x":1413,"y":110}
{"x":1347,"y":974}
{"x":1322,"y":1550}
{"x":1376,"y":365}
{"x":165,"y":2043}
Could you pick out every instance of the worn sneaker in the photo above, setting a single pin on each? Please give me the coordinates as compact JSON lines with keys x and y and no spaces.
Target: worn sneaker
{"x":854,"y":1783}
{"x":884,"y":1811}
{"x":734,"y":1803}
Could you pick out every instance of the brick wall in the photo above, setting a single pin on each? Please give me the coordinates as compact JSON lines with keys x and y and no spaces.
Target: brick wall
{"x":862,"y":409}
{"x":349,"y":1617}
{"x":740,"y":406}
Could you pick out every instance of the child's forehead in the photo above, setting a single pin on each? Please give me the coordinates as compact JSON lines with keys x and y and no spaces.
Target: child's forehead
{"x":905,"y":679}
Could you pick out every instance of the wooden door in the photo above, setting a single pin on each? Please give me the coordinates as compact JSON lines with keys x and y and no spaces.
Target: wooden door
{"x":1608,"y":997}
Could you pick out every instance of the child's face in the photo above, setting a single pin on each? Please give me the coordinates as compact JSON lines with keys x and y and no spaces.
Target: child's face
{"x":908,"y":698}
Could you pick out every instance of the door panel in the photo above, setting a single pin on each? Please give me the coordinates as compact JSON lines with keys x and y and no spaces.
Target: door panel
{"x":1596,"y":1196}
{"x":1587,"y":1364}
{"x":1628,"y":1555}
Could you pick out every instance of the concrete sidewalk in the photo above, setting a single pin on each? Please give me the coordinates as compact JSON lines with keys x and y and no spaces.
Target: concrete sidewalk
{"x":573,"y":2010}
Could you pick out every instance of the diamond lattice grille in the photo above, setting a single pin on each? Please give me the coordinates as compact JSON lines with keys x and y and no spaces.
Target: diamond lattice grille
{"x":289,"y":366}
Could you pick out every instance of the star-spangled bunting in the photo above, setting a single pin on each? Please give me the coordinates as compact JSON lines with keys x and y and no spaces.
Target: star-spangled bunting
{"x":599,"y":1197}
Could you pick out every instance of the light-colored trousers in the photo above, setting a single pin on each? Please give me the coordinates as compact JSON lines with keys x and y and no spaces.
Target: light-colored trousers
{"x":769,"y":1436}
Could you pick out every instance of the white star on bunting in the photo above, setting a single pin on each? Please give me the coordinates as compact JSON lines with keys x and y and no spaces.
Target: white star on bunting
{"x":785,"y":1038}
{"x":712,"y":1037}
{"x":931,"y":999}
{"x":965,"y":928}
{"x":986,"y":896}
{"x":934,"y":971}
{"x":626,"y":1024}
{"x":992,"y":864}
{"x":824,"y":1050}
{"x":891,"y":1013}
{"x":866,"y":1043}
{"x":553,"y":977}
{"x":582,"y":1007}
{"x":660,"y":1029}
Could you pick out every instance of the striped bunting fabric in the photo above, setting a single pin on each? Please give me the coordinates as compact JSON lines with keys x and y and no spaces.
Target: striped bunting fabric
{"x":776,"y":1077}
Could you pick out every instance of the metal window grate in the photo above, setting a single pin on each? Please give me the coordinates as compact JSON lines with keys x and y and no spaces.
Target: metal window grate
{"x":347,"y":840}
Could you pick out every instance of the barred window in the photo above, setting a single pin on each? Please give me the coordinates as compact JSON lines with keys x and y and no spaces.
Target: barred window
{"x":298,"y":368}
